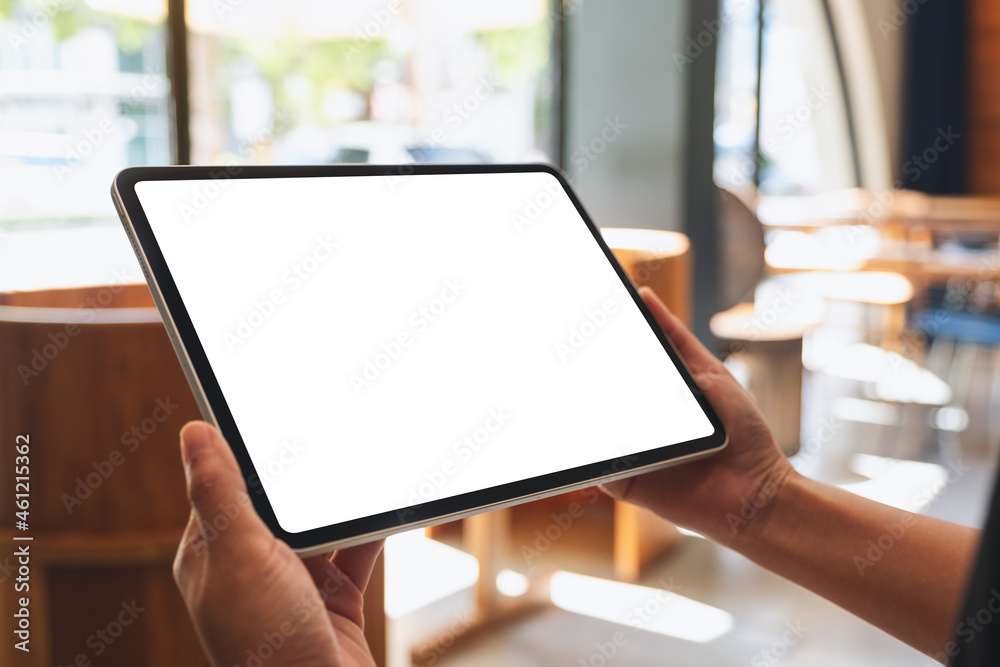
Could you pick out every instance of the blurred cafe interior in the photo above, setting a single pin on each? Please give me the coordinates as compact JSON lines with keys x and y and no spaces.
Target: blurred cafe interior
{"x":813,"y":186}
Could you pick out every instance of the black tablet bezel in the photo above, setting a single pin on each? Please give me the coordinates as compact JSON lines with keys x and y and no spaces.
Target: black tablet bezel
{"x":201,"y":375}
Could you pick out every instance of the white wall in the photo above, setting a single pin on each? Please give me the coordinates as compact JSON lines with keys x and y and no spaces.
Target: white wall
{"x":872,"y":39}
{"x":887,"y":28}
{"x":624,"y":106}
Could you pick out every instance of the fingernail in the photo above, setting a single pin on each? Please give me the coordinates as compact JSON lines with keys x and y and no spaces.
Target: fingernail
{"x":195,"y":437}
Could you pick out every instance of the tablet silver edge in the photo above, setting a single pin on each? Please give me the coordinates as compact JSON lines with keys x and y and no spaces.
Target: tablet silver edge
{"x":168,"y":321}
{"x":326,"y":547}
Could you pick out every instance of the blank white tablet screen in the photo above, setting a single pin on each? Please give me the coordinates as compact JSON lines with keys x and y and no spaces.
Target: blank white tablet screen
{"x":384,"y":341}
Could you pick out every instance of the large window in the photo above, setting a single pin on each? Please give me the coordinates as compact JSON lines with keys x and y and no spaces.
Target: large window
{"x":85,"y":90}
{"x":83,"y":93}
{"x":781,"y":110}
{"x":371,"y":81}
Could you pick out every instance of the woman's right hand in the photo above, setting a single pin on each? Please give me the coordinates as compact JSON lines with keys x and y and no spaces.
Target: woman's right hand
{"x":749,"y":497}
{"x":726,"y":496}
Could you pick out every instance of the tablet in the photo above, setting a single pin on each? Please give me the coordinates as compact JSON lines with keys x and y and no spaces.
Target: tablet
{"x":387,"y":347}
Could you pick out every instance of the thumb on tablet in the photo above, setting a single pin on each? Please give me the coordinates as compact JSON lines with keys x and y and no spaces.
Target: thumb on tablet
{"x":694,"y":353}
{"x":216,"y":489}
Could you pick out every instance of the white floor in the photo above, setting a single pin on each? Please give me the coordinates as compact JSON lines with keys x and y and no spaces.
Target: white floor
{"x":765,"y":620}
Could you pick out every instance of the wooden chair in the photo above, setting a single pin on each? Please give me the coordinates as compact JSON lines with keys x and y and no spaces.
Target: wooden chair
{"x":767,"y":343}
{"x":90,"y":377}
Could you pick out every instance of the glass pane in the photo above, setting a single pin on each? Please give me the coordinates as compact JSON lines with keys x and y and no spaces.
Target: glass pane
{"x":804,"y":137}
{"x":83,"y":94}
{"x":383,"y":81}
{"x":804,"y":142}
{"x":736,"y":97}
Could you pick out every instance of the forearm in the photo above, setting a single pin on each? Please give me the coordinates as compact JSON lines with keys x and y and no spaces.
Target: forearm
{"x":903,"y":572}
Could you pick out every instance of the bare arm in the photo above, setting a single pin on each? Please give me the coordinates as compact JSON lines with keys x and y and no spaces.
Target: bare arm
{"x":903,"y":572}
{"x":750,"y":499}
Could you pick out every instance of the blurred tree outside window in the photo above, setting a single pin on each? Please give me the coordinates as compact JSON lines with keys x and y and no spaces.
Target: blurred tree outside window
{"x":85,"y":92}
{"x":371,"y":81}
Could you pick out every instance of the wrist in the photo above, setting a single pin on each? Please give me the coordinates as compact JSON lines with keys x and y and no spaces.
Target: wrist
{"x":757,"y":518}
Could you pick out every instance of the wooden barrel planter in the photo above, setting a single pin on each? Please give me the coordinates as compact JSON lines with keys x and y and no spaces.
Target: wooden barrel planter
{"x":90,"y":377}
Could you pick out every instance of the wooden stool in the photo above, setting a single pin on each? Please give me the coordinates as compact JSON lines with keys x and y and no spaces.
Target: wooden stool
{"x":660,"y":260}
{"x":773,"y":355}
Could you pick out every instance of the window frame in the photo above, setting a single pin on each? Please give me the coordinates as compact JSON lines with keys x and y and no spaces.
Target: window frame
{"x":178,"y":73}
